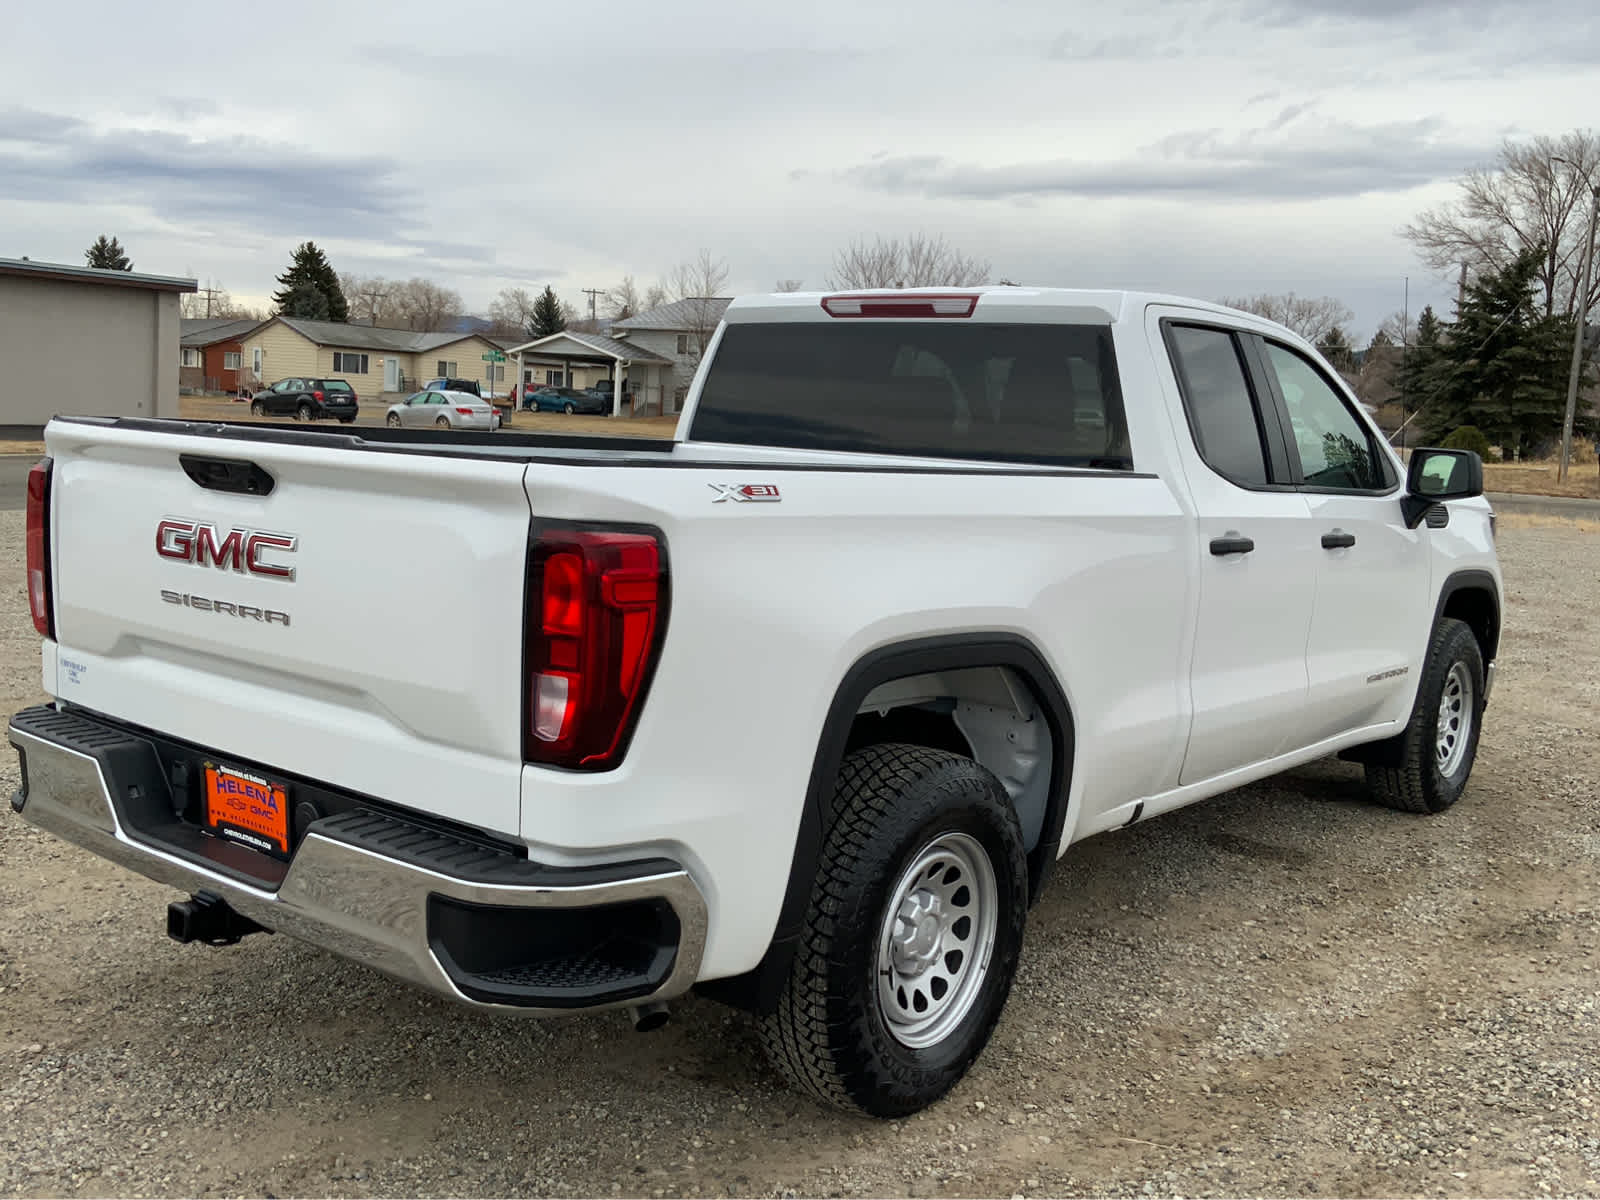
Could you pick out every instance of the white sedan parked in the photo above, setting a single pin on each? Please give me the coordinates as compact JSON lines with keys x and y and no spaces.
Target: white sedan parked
{"x":444,"y":410}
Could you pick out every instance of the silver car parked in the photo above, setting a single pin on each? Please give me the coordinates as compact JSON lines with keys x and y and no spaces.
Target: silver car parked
{"x":444,"y":410}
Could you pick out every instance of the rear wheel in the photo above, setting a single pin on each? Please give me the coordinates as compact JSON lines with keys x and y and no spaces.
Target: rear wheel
{"x":570,"y":408}
{"x":303,"y":413}
{"x":1434,"y":756}
{"x":911,"y":937}
{"x":443,"y":423}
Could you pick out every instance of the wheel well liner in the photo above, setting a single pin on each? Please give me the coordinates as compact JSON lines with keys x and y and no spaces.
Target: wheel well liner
{"x":758,"y":989}
{"x":1471,"y":596}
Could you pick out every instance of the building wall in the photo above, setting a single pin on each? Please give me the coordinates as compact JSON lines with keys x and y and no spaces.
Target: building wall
{"x":284,"y":355}
{"x":86,"y":349}
{"x":467,"y":354}
{"x":226,"y":379}
{"x":665,"y":343}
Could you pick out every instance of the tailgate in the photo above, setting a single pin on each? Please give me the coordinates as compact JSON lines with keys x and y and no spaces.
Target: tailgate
{"x":388,"y":664}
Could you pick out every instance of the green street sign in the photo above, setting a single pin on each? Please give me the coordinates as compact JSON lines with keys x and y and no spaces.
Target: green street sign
{"x":493,"y":356}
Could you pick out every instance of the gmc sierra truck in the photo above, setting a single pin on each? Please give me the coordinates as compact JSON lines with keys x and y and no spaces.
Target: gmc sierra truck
{"x":808,"y":700}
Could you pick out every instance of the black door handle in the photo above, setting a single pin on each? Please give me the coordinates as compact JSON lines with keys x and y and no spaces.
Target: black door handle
{"x":1338,"y":540}
{"x":1232,"y":543}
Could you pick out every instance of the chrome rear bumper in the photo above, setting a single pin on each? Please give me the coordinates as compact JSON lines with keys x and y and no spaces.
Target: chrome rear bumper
{"x":346,"y":892}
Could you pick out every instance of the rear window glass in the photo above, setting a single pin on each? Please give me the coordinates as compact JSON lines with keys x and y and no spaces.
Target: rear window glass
{"x":1028,"y":393}
{"x":336,"y":385}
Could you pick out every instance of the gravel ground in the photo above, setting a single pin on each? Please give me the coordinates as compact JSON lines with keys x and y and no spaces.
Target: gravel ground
{"x":1283,"y":991}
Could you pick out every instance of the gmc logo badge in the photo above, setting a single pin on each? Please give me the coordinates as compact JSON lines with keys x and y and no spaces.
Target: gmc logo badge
{"x":241,"y":550}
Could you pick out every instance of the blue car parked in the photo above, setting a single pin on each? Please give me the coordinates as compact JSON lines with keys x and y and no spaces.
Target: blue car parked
{"x":567,"y":400}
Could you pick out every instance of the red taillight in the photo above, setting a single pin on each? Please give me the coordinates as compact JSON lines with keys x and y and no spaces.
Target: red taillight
{"x":465,"y":412}
{"x":900,"y":306}
{"x":39,"y":547}
{"x":317,"y":396}
{"x":596,"y":605}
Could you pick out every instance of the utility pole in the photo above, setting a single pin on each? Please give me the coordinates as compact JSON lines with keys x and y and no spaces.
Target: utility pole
{"x":1580,"y":314}
{"x":592,"y":293}
{"x":209,"y":293}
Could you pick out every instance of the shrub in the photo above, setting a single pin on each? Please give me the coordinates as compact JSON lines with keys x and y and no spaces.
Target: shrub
{"x":1468,"y":437}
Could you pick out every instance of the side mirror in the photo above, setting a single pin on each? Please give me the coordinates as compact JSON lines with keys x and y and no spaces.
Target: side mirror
{"x":1436,"y":475}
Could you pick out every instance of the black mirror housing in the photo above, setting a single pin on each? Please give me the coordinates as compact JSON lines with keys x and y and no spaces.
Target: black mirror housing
{"x":1435,"y":475}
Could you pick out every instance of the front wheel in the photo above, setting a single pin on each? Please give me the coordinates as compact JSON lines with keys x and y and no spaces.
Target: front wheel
{"x":303,"y":413}
{"x":1428,"y":769}
{"x":257,"y":409}
{"x":569,"y":409}
{"x":912,"y":934}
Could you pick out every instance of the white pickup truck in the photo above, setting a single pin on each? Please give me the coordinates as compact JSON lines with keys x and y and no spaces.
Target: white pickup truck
{"x":797,"y":709}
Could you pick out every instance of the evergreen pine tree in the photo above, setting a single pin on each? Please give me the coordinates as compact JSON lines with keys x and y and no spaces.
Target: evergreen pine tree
{"x":1499,"y":369}
{"x":310,"y":268}
{"x":306,"y":302}
{"x":106,"y":253}
{"x":547,"y":316}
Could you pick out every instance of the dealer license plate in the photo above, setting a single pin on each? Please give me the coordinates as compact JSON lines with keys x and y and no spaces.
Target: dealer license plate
{"x":247,"y":809}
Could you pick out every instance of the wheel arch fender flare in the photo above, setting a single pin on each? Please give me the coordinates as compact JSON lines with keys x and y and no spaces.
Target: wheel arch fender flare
{"x":759,"y":988}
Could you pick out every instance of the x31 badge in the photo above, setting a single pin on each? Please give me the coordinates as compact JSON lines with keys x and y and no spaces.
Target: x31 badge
{"x":745,"y":492}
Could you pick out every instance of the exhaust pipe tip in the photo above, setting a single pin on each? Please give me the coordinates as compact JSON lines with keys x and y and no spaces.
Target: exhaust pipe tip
{"x":649,"y":1016}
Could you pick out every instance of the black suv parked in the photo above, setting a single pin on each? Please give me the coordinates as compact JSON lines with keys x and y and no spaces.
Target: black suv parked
{"x":307,"y":400}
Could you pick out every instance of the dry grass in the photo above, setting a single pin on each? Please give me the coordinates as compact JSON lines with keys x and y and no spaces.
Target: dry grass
{"x":21,"y":447}
{"x":1539,"y":477}
{"x":1520,"y":520}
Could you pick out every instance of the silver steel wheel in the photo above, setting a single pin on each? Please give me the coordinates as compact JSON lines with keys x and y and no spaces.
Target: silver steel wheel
{"x":937,"y":938}
{"x":1454,"y":728}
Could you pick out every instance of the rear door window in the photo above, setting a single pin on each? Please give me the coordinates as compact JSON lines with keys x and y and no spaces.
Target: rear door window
{"x":1216,"y":396}
{"x":1021,"y":393}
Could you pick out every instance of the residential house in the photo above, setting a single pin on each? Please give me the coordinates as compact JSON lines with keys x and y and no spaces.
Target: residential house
{"x":372,"y":360}
{"x":679,"y":332}
{"x":209,"y":354}
{"x":641,"y":380}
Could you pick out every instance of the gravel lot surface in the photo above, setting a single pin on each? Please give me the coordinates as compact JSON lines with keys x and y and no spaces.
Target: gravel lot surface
{"x":1283,"y":991}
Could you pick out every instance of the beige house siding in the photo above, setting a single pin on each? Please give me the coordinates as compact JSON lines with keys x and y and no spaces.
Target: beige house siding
{"x":284,"y":355}
{"x":367,"y":386}
{"x":467,"y":354}
{"x":125,"y":365}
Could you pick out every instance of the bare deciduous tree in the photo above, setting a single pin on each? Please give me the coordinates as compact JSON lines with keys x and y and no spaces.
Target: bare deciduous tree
{"x":623,"y":301}
{"x":1312,"y":317}
{"x":512,"y":311}
{"x":699,"y":282}
{"x":654,"y":297}
{"x":915,"y":261}
{"x":370,"y":297}
{"x":423,"y":305}
{"x":1527,"y":199}
{"x":214,"y":301}
{"x":789,"y":285}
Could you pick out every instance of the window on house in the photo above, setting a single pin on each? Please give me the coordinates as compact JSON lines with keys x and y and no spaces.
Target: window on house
{"x":231,"y":360}
{"x":446,"y":368}
{"x":683,"y":343}
{"x":349,"y":364}
{"x":191,"y":357}
{"x":552,"y":378}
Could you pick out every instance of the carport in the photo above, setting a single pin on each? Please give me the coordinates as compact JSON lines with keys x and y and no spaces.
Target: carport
{"x":648,"y":373}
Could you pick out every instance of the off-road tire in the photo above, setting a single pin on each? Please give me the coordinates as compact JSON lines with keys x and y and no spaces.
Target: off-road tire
{"x":1416,"y":783}
{"x":829,"y":1035}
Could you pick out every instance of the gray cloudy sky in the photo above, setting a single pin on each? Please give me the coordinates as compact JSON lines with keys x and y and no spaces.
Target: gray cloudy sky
{"x":1197,"y":147}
